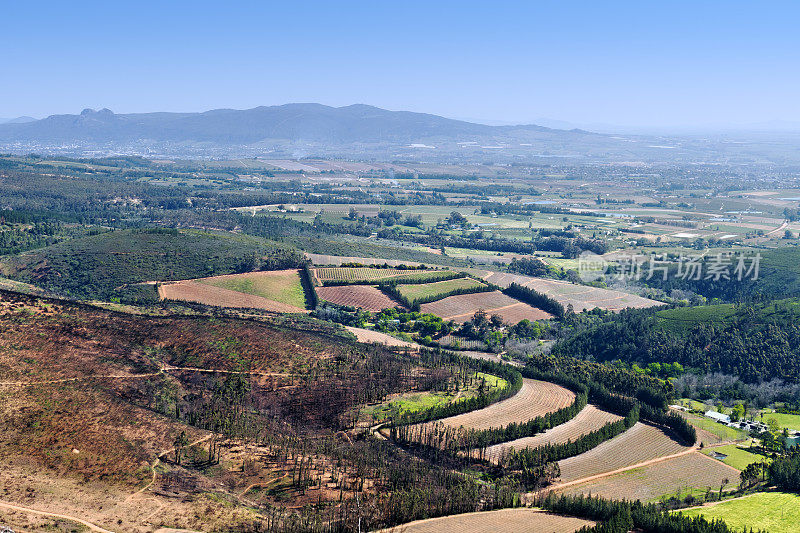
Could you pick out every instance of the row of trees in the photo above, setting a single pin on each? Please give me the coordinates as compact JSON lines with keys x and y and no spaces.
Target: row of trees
{"x":536,"y":299}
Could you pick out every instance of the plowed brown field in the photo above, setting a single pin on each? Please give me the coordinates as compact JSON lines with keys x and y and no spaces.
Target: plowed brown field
{"x":589,"y":419}
{"x":535,"y":398}
{"x":462,"y":307}
{"x":362,"y":296}
{"x":195,"y":291}
{"x":694,"y":471}
{"x":580,"y":296}
{"x":501,"y":521}
{"x":639,"y":444}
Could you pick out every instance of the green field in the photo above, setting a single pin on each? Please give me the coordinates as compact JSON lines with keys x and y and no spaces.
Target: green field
{"x":416,"y":401}
{"x":722,"y":431}
{"x":783,"y":420}
{"x":427,"y":290}
{"x":776,"y":512}
{"x":737,"y":457}
{"x":282,"y":286}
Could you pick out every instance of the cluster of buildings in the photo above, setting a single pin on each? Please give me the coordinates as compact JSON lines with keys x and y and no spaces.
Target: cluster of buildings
{"x":745,"y":425}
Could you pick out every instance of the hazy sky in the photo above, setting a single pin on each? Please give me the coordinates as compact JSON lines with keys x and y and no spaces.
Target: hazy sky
{"x":633,"y":63}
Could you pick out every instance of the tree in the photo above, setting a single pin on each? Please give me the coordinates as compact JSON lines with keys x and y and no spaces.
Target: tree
{"x":738,"y":412}
{"x":180,"y":442}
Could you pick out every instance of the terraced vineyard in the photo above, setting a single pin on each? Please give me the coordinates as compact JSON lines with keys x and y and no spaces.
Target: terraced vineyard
{"x":589,"y":419}
{"x":693,"y":473}
{"x":365,"y":297}
{"x":499,"y":521}
{"x":639,"y":444}
{"x":463,"y":306}
{"x":535,"y":398}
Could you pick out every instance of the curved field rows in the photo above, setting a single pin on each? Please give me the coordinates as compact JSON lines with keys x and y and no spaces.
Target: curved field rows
{"x":694,"y":471}
{"x":589,"y":419}
{"x":521,"y":520}
{"x":203,"y":293}
{"x":639,"y":444}
{"x":463,"y":306}
{"x":361,"y":296}
{"x":580,"y":296}
{"x":535,"y":398}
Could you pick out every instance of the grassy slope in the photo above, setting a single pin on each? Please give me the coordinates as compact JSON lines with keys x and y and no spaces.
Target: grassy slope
{"x":776,"y":512}
{"x":416,"y":401}
{"x":682,"y":319}
{"x":95,"y":266}
{"x":737,"y":457}
{"x":281,"y":287}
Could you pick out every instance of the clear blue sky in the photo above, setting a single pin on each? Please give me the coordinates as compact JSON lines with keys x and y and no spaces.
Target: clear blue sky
{"x":633,"y":63}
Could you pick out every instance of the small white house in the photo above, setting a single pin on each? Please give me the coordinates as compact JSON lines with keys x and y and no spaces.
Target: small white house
{"x":718,"y":417}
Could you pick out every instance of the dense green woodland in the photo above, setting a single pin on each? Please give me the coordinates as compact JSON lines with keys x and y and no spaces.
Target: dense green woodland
{"x":757,"y":342}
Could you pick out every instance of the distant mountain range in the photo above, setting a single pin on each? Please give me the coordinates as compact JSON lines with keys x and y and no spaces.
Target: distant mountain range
{"x":18,"y":120}
{"x":293,"y":122}
{"x":357,"y":132}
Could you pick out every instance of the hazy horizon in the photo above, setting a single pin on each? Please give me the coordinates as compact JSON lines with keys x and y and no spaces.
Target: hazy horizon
{"x":681,"y":66}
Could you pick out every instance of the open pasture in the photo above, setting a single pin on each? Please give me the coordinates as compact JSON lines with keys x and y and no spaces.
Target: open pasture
{"x":323,"y":259}
{"x":462,"y":307}
{"x":776,"y":512}
{"x":589,"y":419}
{"x":692,"y":473}
{"x":639,"y":444}
{"x":535,"y":398}
{"x":519,"y":520}
{"x":365,"y":297}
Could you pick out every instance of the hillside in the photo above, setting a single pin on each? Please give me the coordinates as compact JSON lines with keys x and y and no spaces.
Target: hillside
{"x":100,"y":266}
{"x":757,"y":342}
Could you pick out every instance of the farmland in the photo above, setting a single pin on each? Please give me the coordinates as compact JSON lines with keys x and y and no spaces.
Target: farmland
{"x":374,"y":275}
{"x":282,"y":286}
{"x":500,"y":521}
{"x":365,"y":297}
{"x":462,"y":307}
{"x":535,"y":398}
{"x":738,"y":458}
{"x":693,"y":474}
{"x":581,"y":297}
{"x":711,"y":432}
{"x":438,"y":289}
{"x":776,"y":512}
{"x":639,"y":444}
{"x":589,"y":419}
{"x":205,"y":293}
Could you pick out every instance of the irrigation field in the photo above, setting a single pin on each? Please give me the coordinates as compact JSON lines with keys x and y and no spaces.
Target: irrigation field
{"x":535,"y":398}
{"x":278,"y":291}
{"x":693,"y":473}
{"x":365,"y":297}
{"x":463,"y":306}
{"x":580,"y":296}
{"x":639,"y":444}
{"x":589,"y":419}
{"x":426,"y":290}
{"x":520,"y":520}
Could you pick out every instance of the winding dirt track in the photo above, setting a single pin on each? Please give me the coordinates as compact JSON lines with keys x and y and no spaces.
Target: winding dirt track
{"x":535,"y":398}
{"x":91,"y":526}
